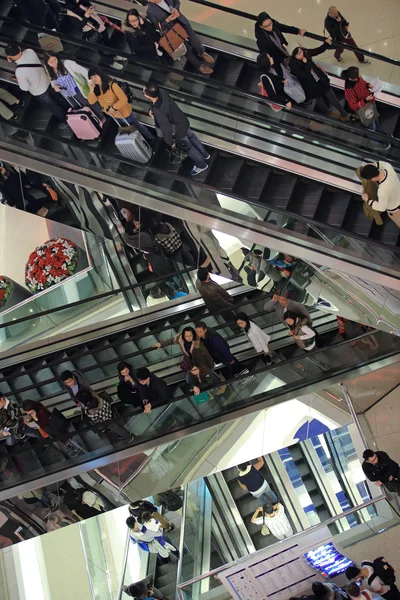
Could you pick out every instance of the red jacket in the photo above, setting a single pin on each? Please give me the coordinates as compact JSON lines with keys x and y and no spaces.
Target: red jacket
{"x":356,"y":95}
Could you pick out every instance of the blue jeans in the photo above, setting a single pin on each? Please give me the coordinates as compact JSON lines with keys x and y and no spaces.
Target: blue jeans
{"x":375,"y":126}
{"x":29,"y":432}
{"x":53,"y":102}
{"x":132,"y":120}
{"x":195,"y":149}
{"x":267,"y":497}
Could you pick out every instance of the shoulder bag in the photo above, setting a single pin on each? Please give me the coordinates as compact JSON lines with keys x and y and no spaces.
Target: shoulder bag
{"x":173,"y":40}
{"x":263,"y":92}
{"x":368,"y":113}
{"x":293,"y":87}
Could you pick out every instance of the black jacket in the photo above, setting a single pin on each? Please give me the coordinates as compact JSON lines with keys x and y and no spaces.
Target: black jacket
{"x":384,"y":468}
{"x":157,"y":392}
{"x":277,"y":92}
{"x":303,"y":72}
{"x":337,"y":30}
{"x":218,"y":347}
{"x":156,"y":14}
{"x":170,"y":120}
{"x":142,"y":39}
{"x":265,"y":41}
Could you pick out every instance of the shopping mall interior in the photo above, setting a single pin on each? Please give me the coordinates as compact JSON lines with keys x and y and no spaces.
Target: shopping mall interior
{"x":194,"y":362}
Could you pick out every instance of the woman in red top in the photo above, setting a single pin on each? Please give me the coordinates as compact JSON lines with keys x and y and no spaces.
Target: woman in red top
{"x":358,"y":94}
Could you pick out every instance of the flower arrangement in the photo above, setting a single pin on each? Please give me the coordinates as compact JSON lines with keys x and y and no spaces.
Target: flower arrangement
{"x":5,"y":290}
{"x":50,"y":263}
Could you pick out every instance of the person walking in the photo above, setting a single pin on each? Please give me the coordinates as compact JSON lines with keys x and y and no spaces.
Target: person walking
{"x":358,"y":95}
{"x":270,"y":39}
{"x":258,"y":338}
{"x":314,"y":81}
{"x":214,"y":295}
{"x":338,"y":28}
{"x":388,"y":189}
{"x":193,"y":349}
{"x":7,"y":99}
{"x":173,"y":126}
{"x":281,"y":305}
{"x":219,"y":350}
{"x":273,"y":517}
{"x":71,"y":80}
{"x":113,"y":101}
{"x":380,"y":469}
{"x":143,"y":589}
{"x":166,"y":13}
{"x":378,"y":575}
{"x":302,"y":334}
{"x":32,"y":77}
{"x":251,"y":480}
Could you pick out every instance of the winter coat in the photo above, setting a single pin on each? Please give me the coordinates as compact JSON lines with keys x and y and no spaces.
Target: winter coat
{"x":82,"y":382}
{"x":356,"y":92}
{"x":113,"y":101}
{"x":157,"y":392}
{"x":10,"y":415}
{"x":218,"y":347}
{"x":170,"y":120}
{"x":200,"y":355}
{"x":277,"y":92}
{"x":266,"y":39}
{"x":257,"y":338}
{"x":215,"y":296}
{"x":337,"y":30}
{"x":304,"y":73}
{"x":292,"y":306}
{"x":141,"y":40}
{"x":384,"y":468}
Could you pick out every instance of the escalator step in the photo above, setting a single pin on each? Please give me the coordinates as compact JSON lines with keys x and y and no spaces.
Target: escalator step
{"x":252,"y":180}
{"x":228,"y":69}
{"x":388,"y":233}
{"x":305,"y":198}
{"x":356,"y":220}
{"x":279,"y":189}
{"x":224,"y":172}
{"x":332,"y":207}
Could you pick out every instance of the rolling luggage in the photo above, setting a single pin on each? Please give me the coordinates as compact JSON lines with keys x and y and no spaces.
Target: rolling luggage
{"x":83,"y":121}
{"x":132,"y":145}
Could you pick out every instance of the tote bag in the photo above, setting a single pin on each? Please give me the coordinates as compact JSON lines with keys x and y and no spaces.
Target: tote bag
{"x":173,"y":40}
{"x":368,"y":114}
{"x":293,"y":87}
{"x":263,"y":92}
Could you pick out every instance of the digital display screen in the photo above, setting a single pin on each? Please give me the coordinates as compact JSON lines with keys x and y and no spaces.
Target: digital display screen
{"x":329,"y":561}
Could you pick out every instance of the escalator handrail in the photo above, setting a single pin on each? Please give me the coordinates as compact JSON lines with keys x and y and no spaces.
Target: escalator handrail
{"x":194,"y":77}
{"x":126,"y":552}
{"x":93,"y":298}
{"x":200,"y":184}
{"x":294,"y":537}
{"x":314,"y":36}
{"x":226,"y":382}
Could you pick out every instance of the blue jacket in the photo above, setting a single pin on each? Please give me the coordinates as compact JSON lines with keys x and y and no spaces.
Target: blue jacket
{"x":218,"y":347}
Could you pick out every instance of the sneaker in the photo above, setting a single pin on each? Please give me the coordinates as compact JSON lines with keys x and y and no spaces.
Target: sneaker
{"x":63,"y":126}
{"x":268,"y":359}
{"x":120,"y":58}
{"x":116,"y":66}
{"x":340,"y":59}
{"x":365,"y":61}
{"x":197,"y":170}
{"x":208,"y":156}
{"x":171,"y":526}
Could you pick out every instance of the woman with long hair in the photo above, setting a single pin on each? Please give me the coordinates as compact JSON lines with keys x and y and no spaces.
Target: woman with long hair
{"x":71,"y":80}
{"x":256,"y":336}
{"x":303,"y":335}
{"x":314,"y":81}
{"x":113,"y":100}
{"x":142,"y":36}
{"x":193,"y":349}
{"x":358,"y":94}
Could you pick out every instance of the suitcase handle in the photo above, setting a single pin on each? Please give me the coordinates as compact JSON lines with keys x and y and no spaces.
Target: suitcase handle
{"x":122,"y":117}
{"x":68,"y":99}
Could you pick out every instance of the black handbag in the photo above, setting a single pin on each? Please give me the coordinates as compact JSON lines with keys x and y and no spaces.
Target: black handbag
{"x":393,"y":486}
{"x":58,"y":424}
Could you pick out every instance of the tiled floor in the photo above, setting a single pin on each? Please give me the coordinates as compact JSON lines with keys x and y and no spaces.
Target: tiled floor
{"x":374,"y":25}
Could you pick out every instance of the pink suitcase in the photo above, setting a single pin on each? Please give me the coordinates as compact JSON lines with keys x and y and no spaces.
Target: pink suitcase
{"x":83,"y":122}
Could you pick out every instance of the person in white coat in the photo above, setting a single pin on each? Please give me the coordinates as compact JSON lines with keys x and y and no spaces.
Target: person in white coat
{"x":303,"y":335}
{"x":256,"y":336}
{"x":273,"y":516}
{"x":71,"y":80}
{"x":388,"y":189}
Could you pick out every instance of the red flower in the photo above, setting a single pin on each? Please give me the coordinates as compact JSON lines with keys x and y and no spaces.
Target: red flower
{"x":45,"y":265}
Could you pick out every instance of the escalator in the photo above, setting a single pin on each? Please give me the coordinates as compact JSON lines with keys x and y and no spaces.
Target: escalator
{"x":336,"y":212}
{"x":37,"y":379}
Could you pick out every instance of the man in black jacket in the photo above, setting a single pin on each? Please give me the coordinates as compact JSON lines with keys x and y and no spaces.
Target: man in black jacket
{"x":219,"y":350}
{"x":338,"y":28}
{"x":152,"y":389}
{"x":270,"y":39}
{"x":380,"y":468}
{"x":174,"y":127}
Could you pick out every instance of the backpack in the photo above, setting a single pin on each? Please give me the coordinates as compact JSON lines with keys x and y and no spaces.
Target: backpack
{"x":170,"y":500}
{"x":382,"y":569}
{"x":126,"y":89}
